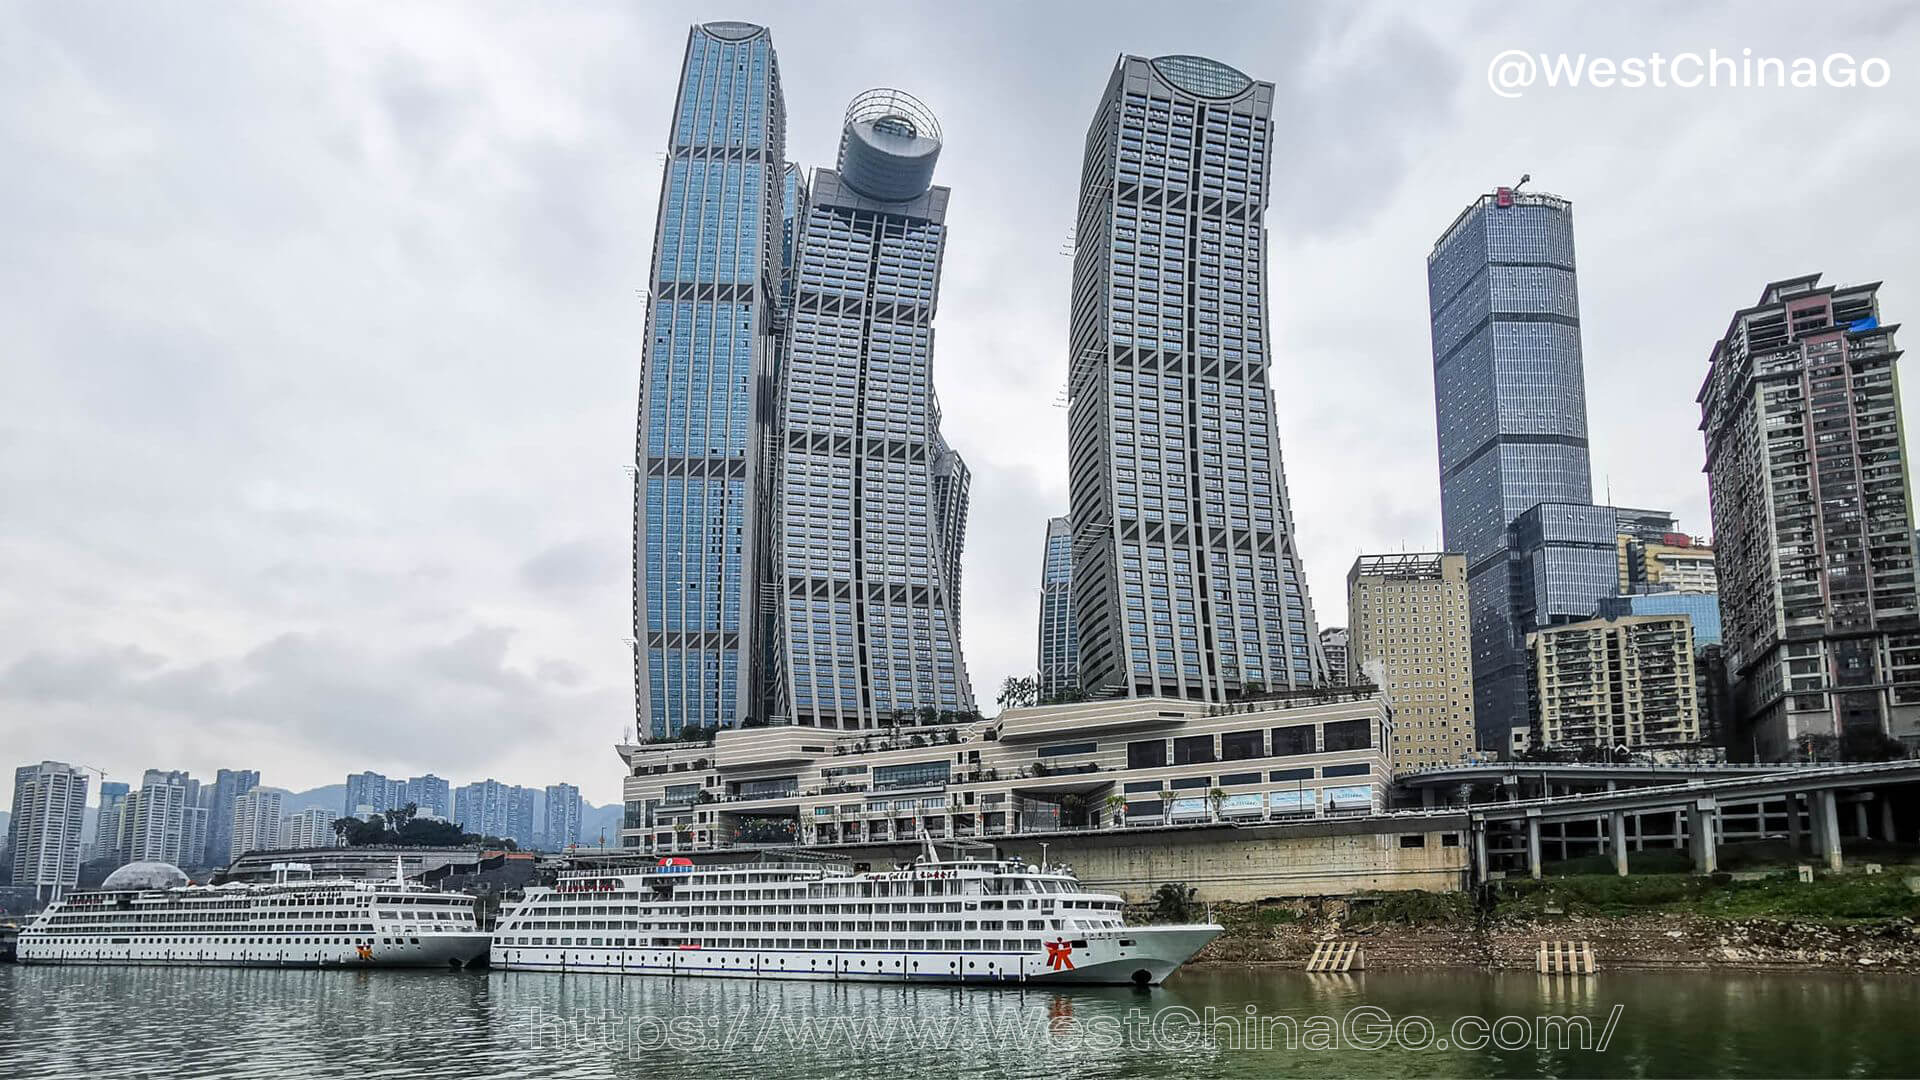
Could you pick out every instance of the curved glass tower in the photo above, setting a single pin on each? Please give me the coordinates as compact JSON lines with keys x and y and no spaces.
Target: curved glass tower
{"x":705,"y":395}
{"x":1186,"y":579}
{"x":871,"y":499}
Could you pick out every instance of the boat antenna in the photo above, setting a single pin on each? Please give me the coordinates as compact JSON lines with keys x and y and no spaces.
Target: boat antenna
{"x":399,"y":874}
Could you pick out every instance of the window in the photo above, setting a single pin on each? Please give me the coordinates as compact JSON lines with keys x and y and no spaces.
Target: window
{"x":1298,"y":739}
{"x":1346,"y":770}
{"x":1413,"y":840}
{"x":1066,"y":749}
{"x":1349,"y":735}
{"x":1241,"y":745}
{"x":1146,"y":755}
{"x":1192,"y":749}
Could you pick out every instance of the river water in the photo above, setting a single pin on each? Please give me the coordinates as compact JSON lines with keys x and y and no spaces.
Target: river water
{"x":224,"y":1023}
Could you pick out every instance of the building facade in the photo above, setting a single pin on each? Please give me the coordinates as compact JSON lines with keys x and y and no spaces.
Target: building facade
{"x":228,"y":785}
{"x":373,"y":793}
{"x":108,"y":823}
{"x":1334,"y":642}
{"x":1702,"y":609}
{"x":872,"y":500}
{"x":563,"y":813}
{"x":1187,"y":581}
{"x":256,"y":825}
{"x":1510,"y":399}
{"x":1807,"y":474}
{"x":1408,"y":622}
{"x":1564,"y":563}
{"x":430,"y":796}
{"x":159,"y":822}
{"x":491,"y":808}
{"x":1058,"y":661}
{"x":43,"y":829}
{"x":1626,"y":684}
{"x":1114,"y":763}
{"x":701,"y":453}
{"x":310,"y":828}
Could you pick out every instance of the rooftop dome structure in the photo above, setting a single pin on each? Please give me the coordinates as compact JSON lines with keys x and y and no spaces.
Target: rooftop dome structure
{"x":137,"y":876}
{"x":1201,"y":77}
{"x":888,"y":146}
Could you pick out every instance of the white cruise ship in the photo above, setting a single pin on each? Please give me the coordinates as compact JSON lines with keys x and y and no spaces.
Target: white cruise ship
{"x":147,"y":913}
{"x":967,"y":921}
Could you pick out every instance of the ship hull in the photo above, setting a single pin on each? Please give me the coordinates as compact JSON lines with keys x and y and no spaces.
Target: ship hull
{"x":1138,"y":956}
{"x":431,"y":951}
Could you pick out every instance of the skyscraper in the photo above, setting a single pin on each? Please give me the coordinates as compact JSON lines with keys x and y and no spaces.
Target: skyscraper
{"x":1511,"y":407}
{"x":1807,"y":476}
{"x":107,"y":826}
{"x":373,"y":793}
{"x":157,"y":825}
{"x":43,"y":832}
{"x":429,"y":795}
{"x":1333,"y":645}
{"x":228,"y":785}
{"x":256,"y":825}
{"x":491,"y":808}
{"x":1059,"y":659}
{"x":872,"y":501}
{"x":700,"y":454}
{"x":1187,"y":582}
{"x":564,"y":810}
{"x":308,"y":828}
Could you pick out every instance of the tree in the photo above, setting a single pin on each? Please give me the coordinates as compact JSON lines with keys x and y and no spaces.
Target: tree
{"x":929,"y":715}
{"x":1019,"y":692}
{"x":1173,"y":902}
{"x":1116,"y":808}
{"x":1218,"y":798}
{"x":398,"y":819}
{"x":1166,"y":805}
{"x":1073,"y":809}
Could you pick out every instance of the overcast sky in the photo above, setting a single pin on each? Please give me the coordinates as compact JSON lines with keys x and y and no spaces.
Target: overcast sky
{"x":319,"y":334}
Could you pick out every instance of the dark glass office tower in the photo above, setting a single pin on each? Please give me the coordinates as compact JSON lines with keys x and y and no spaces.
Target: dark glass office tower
{"x":1186,"y":579}
{"x":1512,"y":416}
{"x":701,"y":463}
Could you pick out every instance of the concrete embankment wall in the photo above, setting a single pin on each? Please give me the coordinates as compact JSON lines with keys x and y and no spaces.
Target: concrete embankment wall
{"x":1333,"y":858}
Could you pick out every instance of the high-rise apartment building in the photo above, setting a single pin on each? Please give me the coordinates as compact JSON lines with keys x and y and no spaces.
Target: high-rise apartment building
{"x":1408,"y":627}
{"x":1807,"y":474}
{"x":872,"y":500}
{"x":1623,"y":684}
{"x":1655,"y":556}
{"x":43,"y":830}
{"x":107,"y":824}
{"x":1058,"y":669}
{"x":373,"y":793}
{"x":228,"y":785}
{"x":430,"y":796}
{"x":1187,"y":581}
{"x":157,"y":825}
{"x":491,"y":808}
{"x":1510,"y":398}
{"x":256,"y":824}
{"x":701,"y":488}
{"x":308,"y":829}
{"x":1333,"y":645}
{"x":564,"y":811}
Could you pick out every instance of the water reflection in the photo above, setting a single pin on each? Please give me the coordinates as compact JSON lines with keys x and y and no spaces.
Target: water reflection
{"x":231,"y":1023}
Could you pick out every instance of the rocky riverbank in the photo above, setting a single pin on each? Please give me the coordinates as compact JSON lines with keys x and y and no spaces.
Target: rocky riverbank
{"x":1866,"y":925}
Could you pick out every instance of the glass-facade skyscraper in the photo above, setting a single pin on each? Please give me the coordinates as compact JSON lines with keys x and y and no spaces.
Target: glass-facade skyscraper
{"x":700,"y":498}
{"x":1510,"y":399}
{"x":871,"y":499}
{"x":1187,"y":582}
{"x":1058,"y":669}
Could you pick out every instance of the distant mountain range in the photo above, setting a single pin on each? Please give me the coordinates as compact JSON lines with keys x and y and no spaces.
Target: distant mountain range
{"x":594,"y":820}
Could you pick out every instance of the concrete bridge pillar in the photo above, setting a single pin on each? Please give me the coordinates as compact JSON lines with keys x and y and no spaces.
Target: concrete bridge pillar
{"x":1533,"y":846}
{"x":1826,"y":826}
{"x":1617,"y":822}
{"x":1480,"y":842}
{"x":1887,"y":832}
{"x":1860,"y":819}
{"x":1700,"y":830}
{"x":1794,"y":832}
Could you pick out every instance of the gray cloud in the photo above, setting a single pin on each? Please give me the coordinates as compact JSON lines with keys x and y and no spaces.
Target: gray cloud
{"x":323,"y":344}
